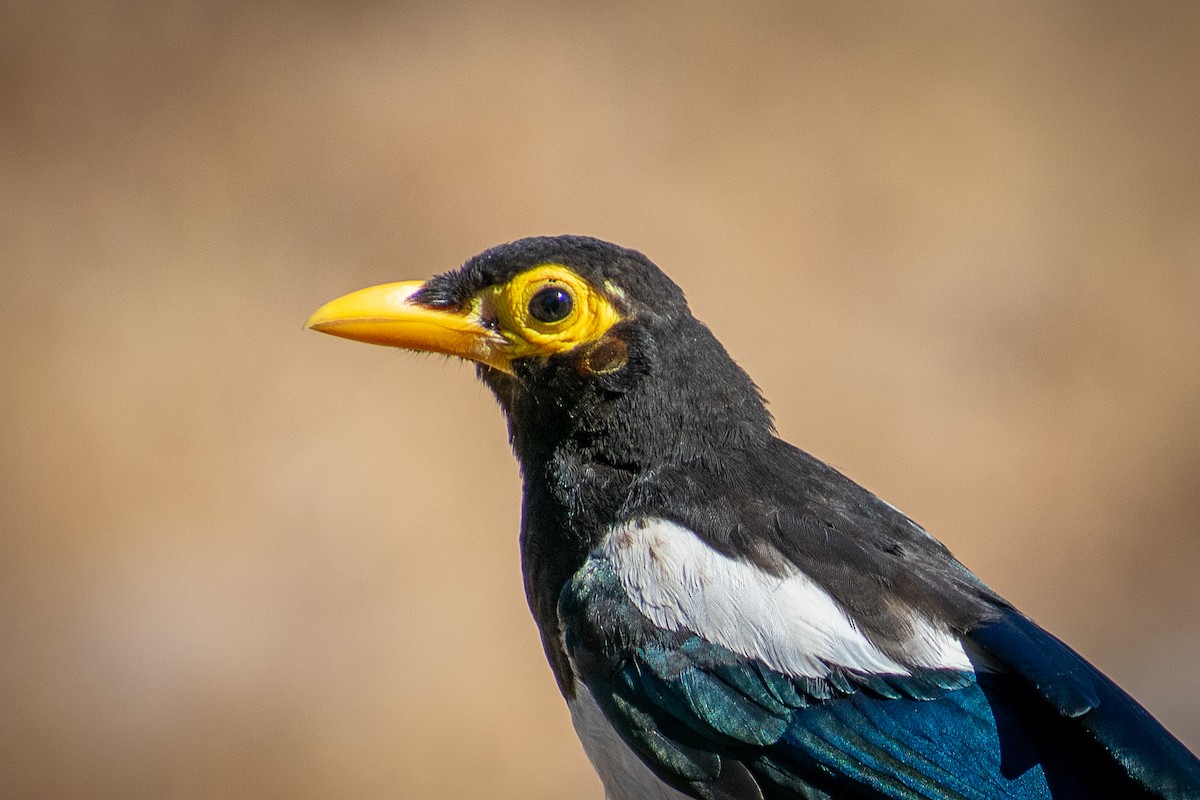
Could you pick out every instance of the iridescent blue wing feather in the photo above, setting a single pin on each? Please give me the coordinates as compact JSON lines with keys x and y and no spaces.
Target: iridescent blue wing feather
{"x":1075,"y":690}
{"x":1038,"y":723}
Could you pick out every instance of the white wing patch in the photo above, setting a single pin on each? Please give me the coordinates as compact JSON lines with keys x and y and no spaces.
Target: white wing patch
{"x":788,"y":622}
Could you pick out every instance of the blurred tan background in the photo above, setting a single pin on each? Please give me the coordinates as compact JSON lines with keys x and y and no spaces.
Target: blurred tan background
{"x":958,"y":245}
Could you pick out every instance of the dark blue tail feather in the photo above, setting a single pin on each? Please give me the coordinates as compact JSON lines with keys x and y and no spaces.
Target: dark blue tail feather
{"x":1136,"y":742}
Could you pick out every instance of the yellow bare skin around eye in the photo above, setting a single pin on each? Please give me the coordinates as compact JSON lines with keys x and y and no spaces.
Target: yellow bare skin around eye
{"x":494,"y":328}
{"x":590,"y":318}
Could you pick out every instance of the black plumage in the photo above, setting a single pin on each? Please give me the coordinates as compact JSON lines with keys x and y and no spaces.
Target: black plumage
{"x":652,"y":420}
{"x":682,"y":433}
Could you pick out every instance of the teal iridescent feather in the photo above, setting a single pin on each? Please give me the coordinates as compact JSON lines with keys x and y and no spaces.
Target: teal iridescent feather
{"x":1038,"y":723}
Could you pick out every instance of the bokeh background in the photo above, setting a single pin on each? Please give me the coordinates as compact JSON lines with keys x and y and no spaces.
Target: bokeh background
{"x":958,"y":245}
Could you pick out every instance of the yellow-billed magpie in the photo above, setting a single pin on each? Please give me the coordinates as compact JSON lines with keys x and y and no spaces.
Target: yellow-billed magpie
{"x":727,"y":616}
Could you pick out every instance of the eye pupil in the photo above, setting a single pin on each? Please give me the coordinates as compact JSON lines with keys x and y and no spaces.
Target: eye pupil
{"x":551,"y":304}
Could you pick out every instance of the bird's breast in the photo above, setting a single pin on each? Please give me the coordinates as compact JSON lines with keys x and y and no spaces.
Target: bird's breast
{"x":624,"y":775}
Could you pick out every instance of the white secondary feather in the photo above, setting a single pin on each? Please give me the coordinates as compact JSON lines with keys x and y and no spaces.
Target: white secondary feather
{"x":623,"y":774}
{"x":788,"y":622}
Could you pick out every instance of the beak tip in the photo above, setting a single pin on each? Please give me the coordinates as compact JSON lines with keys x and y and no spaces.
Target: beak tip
{"x":373,"y":302}
{"x":322,"y":324}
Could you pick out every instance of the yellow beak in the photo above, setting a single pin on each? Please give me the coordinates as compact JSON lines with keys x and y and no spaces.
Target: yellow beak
{"x":385,"y":315}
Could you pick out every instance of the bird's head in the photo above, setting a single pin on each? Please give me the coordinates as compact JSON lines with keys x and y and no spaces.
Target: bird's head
{"x":570,"y":333}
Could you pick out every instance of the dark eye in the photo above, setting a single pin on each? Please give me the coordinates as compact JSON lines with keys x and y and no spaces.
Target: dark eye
{"x":552,"y":304}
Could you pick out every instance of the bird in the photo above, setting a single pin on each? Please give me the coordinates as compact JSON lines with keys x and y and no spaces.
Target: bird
{"x":726,"y":616}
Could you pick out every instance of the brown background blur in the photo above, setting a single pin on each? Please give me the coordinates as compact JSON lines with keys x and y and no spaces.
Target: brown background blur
{"x":958,"y":245}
